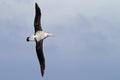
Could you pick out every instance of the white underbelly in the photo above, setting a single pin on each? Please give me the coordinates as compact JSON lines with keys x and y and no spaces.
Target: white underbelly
{"x":40,"y":35}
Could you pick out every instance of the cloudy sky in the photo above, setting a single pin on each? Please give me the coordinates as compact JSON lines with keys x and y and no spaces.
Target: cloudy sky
{"x":85,"y":46}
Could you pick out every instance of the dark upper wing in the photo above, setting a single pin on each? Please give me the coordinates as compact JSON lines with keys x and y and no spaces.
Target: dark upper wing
{"x":40,"y":55}
{"x":37,"y":20}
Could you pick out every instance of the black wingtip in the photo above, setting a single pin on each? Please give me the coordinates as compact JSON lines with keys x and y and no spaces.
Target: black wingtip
{"x":36,"y":5}
{"x":37,"y":9}
{"x":42,"y":74}
{"x":42,"y":71}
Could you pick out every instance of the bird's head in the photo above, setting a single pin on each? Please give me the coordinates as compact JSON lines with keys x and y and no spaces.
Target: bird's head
{"x":47,"y":34}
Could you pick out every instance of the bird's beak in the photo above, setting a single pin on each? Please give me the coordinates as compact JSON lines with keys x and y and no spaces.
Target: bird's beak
{"x":51,"y":35}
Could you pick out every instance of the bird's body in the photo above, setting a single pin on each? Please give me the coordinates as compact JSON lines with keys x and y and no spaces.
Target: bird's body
{"x":38,"y":37}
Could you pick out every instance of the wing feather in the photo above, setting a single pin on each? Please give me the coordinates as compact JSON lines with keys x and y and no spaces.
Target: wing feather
{"x":37,"y":20}
{"x":40,"y":55}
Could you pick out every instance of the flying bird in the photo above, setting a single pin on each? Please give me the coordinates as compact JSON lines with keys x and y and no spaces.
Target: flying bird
{"x":38,"y":37}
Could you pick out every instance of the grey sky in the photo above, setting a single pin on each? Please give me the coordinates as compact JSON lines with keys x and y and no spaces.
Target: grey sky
{"x":85,"y":45}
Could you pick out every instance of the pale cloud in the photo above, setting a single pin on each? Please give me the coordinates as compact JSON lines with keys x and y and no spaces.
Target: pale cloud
{"x":85,"y":43}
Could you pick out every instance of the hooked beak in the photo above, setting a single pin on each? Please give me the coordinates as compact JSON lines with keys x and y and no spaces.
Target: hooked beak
{"x":50,"y":34}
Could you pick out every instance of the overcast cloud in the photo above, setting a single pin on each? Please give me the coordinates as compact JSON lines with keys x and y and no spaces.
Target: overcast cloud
{"x":85,"y":45}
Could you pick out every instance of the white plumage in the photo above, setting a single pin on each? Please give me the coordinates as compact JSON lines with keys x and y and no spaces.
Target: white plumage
{"x":40,"y":35}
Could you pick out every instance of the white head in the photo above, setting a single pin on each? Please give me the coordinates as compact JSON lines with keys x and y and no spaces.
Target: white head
{"x":48,"y":34}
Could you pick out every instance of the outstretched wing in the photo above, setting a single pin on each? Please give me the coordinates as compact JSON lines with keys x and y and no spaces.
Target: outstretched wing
{"x":37,"y":20}
{"x":40,"y":55}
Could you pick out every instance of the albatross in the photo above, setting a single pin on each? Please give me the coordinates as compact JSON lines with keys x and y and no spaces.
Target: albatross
{"x":38,"y":37}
